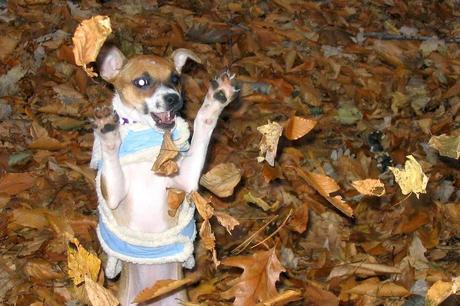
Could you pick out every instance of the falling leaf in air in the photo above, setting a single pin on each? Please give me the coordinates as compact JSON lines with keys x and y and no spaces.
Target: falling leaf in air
{"x":203,"y":206}
{"x":88,"y":39}
{"x":222,"y":179}
{"x":370,"y":187}
{"x":81,"y":263}
{"x":446,"y":145}
{"x":165,"y":163}
{"x":297,"y":127}
{"x":325,"y":186}
{"x":258,"y":281}
{"x":166,"y":286}
{"x":175,"y":199}
{"x":98,"y":295}
{"x":271,"y":133}
{"x":226,"y":221}
{"x":412,"y":178}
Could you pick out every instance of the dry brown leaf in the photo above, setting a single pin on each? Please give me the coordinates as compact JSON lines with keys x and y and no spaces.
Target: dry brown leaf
{"x":207,"y":236}
{"x":299,"y":220}
{"x":34,"y":218}
{"x":412,"y":178}
{"x":325,"y":186}
{"x":283,"y":298}
{"x":88,"y":173}
{"x":258,"y":281}
{"x":88,"y":39}
{"x":371,"y":187}
{"x":438,"y":292}
{"x":98,"y":295}
{"x":374,"y":287}
{"x":319,"y":296}
{"x":47,"y":143}
{"x":297,"y":127}
{"x":14,"y":183}
{"x":271,"y":133}
{"x":222,"y":179}
{"x":362,"y":268}
{"x":203,"y":206}
{"x":165,"y":162}
{"x":226,"y":221}
{"x":175,"y":199}
{"x":41,"y":270}
{"x":249,"y":197}
{"x":165,"y":286}
{"x":81,"y":263}
{"x":446,"y":145}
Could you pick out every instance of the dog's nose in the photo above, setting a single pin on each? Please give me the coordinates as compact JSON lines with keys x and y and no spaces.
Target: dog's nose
{"x":172,"y":100}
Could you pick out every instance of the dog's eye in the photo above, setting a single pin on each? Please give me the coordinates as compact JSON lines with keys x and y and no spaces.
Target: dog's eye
{"x":175,"y":79}
{"x":142,"y":82}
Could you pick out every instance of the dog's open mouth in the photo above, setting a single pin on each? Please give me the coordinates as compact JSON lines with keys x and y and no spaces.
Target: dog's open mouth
{"x":164,"y":120}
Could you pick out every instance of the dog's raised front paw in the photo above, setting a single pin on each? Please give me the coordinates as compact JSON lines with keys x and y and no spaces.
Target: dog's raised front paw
{"x":105,"y":120}
{"x":223,"y":89}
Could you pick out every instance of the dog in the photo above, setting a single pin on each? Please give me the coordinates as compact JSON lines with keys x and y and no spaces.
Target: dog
{"x":141,"y":239}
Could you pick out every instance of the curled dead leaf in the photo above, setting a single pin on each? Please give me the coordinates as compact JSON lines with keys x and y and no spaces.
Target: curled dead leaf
{"x":298,"y":127}
{"x":175,"y":199}
{"x":165,"y":163}
{"x":271,"y":133}
{"x":203,"y":206}
{"x":369,"y":187}
{"x":222,"y":179}
{"x":412,"y":178}
{"x":226,"y":221}
{"x":88,"y":39}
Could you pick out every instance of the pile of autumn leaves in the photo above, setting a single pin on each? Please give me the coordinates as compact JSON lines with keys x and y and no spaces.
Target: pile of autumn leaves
{"x":262,"y":267}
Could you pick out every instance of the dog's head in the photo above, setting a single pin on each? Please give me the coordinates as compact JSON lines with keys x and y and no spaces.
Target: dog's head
{"x":147,"y":83}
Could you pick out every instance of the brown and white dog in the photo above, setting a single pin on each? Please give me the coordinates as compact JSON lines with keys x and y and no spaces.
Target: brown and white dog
{"x":148,"y":94}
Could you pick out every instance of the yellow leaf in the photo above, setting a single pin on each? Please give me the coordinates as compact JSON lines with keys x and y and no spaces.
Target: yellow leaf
{"x":98,"y":295}
{"x":282,"y":298}
{"x":297,"y":127}
{"x":438,"y":292}
{"x":81,"y":263}
{"x":88,"y":39}
{"x":165,"y":286}
{"x":164,"y":163}
{"x":446,"y":145}
{"x":271,"y":133}
{"x":369,"y":187}
{"x":412,"y":178}
{"x":249,"y":197}
{"x":222,"y":179}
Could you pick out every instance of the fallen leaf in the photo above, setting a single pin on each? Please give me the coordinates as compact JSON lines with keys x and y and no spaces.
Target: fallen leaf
{"x":271,"y":133}
{"x":446,"y":145}
{"x":47,"y":143}
{"x":164,"y":163}
{"x":297,"y":127}
{"x":249,"y":197}
{"x":14,"y":183}
{"x":283,"y":298}
{"x":34,"y":218}
{"x":88,"y":39}
{"x":81,"y":263}
{"x":369,"y":187}
{"x":165,"y":286}
{"x":258,"y":281}
{"x":222,"y":179}
{"x":175,"y":199}
{"x":412,"y":178}
{"x":209,"y":240}
{"x":203,"y":206}
{"x":325,"y":186}
{"x":98,"y":295}
{"x":226,"y":221}
{"x":349,"y":114}
{"x":438,"y":292}
{"x":319,"y":296}
{"x":374,"y":287}
{"x":41,"y":270}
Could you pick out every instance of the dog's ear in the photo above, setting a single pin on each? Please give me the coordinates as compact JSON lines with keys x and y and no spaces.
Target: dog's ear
{"x":110,"y":61}
{"x":180,"y":57}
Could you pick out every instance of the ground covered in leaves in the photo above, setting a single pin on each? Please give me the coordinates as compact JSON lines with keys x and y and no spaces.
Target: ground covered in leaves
{"x":375,"y":80}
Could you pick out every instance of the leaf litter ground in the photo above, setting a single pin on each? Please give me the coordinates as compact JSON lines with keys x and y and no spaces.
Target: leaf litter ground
{"x":369,"y":84}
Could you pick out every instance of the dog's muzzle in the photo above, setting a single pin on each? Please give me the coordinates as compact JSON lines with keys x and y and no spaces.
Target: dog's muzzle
{"x":165,"y":120}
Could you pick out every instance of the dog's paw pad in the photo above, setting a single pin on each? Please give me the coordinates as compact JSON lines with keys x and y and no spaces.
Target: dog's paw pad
{"x":105,"y":119}
{"x":223,"y":88}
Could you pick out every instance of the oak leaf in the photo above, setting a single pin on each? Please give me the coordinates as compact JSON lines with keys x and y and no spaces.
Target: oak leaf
{"x":370,"y":187}
{"x":412,"y":178}
{"x":325,"y":186}
{"x":165,"y":162}
{"x":88,"y":39}
{"x":446,"y":145}
{"x":222,"y":179}
{"x":258,"y":281}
